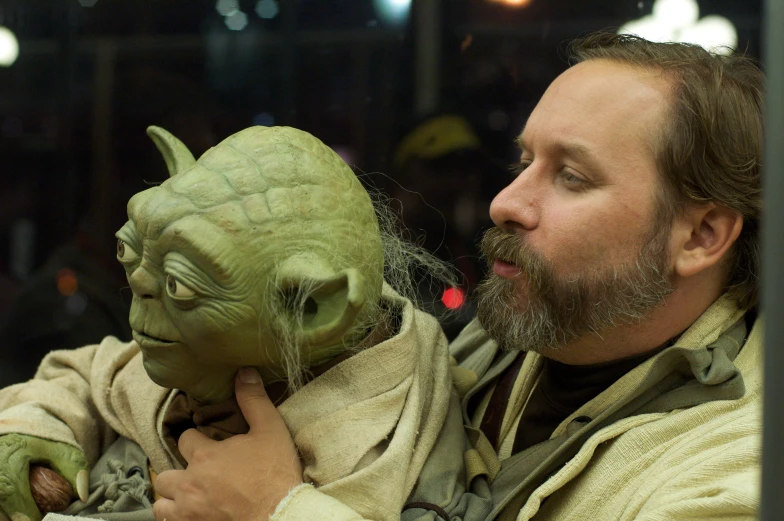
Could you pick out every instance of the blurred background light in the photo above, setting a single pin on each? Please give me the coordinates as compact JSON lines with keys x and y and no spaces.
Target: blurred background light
{"x":392,"y":11}
{"x":76,"y":304}
{"x":87,"y":3}
{"x":514,"y":3}
{"x":649,"y":28}
{"x":67,"y":282}
{"x":346,"y":153}
{"x":267,"y":9}
{"x":264,"y":119}
{"x":453,"y":298}
{"x":237,"y":21}
{"x":676,"y":14}
{"x":678,"y":21}
{"x":713,"y":32}
{"x":227,"y":7}
{"x":9,"y":47}
{"x":498,"y":120}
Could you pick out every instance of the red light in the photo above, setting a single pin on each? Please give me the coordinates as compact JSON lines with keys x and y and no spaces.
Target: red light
{"x":67,"y":284}
{"x":453,"y":298}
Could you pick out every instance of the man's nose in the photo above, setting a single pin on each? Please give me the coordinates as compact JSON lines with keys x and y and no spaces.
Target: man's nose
{"x":144,"y":284}
{"x":517,"y":206}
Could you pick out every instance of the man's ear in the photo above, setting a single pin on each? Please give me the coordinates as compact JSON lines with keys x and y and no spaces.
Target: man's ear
{"x":702,"y":236}
{"x":329,"y":304}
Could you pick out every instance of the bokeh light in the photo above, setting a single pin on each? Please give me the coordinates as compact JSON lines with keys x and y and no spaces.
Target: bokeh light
{"x":237,"y":21}
{"x":267,"y":9}
{"x":678,"y":21}
{"x":676,"y":14}
{"x":514,"y":3}
{"x":67,"y":283}
{"x":453,"y":298}
{"x":227,"y":7}
{"x":264,"y":119}
{"x":392,"y":11}
{"x":9,"y":47}
{"x":715,"y":33}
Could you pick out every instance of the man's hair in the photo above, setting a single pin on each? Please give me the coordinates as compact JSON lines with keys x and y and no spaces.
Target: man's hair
{"x":710,"y":149}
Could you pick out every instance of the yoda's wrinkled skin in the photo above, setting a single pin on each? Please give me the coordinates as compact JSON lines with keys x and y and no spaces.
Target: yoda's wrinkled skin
{"x":265,"y":252}
{"x":218,"y":257}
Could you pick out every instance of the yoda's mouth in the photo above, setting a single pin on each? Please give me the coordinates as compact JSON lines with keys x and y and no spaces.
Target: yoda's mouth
{"x":148,"y":340}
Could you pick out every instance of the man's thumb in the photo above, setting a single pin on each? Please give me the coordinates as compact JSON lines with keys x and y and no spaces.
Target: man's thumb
{"x":254,"y":403}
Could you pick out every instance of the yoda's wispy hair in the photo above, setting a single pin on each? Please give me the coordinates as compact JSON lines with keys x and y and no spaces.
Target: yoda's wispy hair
{"x":408,"y":269}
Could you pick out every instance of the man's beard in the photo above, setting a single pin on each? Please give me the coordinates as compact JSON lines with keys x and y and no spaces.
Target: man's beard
{"x":539,"y":311}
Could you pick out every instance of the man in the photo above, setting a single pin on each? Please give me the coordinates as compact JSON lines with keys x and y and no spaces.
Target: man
{"x":623,"y":378}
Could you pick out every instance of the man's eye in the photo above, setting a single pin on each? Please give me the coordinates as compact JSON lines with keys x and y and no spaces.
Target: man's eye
{"x":517,"y":168}
{"x":572,"y":180}
{"x":177,"y":289}
{"x":125,"y":253}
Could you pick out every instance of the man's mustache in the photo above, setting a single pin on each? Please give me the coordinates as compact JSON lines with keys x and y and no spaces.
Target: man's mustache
{"x":506,"y":246}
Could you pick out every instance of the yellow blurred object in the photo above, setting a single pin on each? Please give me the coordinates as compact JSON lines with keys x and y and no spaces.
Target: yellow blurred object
{"x":516,"y":3}
{"x":436,"y":137}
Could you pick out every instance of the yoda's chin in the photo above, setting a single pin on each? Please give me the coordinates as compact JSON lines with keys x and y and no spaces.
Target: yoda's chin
{"x":206,"y":385}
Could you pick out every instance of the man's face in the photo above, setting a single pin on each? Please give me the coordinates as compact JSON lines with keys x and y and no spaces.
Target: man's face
{"x":582,"y":238}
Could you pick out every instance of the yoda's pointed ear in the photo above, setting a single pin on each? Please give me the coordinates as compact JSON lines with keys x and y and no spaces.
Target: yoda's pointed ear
{"x":329,"y":306}
{"x":177,"y":156}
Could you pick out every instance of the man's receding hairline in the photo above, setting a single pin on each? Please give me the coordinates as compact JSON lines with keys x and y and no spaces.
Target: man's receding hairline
{"x":656,"y":140}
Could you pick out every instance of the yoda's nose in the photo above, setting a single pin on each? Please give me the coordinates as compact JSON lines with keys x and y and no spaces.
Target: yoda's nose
{"x":144,"y":284}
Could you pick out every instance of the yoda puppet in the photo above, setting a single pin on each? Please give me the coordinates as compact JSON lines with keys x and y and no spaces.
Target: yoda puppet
{"x":266,"y":252}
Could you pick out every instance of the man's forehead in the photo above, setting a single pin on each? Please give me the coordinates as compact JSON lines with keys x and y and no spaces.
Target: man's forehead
{"x":597,"y":103}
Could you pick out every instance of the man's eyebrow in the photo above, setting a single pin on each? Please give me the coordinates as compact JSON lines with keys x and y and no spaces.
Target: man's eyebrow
{"x":573,"y":149}
{"x":519,"y":140}
{"x":578,"y":152}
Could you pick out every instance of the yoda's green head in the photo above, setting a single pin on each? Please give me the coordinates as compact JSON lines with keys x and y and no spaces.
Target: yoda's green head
{"x":265,"y":252}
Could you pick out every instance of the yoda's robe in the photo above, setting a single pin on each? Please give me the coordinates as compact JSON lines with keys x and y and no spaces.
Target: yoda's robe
{"x":364,"y":427}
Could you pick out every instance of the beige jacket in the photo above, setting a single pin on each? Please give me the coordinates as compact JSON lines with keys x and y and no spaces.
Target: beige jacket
{"x":364,"y":427}
{"x":697,"y":463}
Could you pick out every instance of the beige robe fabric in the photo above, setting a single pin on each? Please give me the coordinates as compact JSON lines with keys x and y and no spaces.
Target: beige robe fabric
{"x":364,"y":427}
{"x":695,"y":464}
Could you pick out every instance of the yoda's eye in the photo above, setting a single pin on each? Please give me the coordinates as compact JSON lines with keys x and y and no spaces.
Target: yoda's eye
{"x":177,"y":289}
{"x":125,"y":253}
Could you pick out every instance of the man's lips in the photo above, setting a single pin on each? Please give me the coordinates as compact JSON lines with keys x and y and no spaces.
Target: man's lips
{"x":505,"y":269}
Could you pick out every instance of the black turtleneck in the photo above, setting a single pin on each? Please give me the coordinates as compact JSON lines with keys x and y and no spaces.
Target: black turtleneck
{"x":562,"y":389}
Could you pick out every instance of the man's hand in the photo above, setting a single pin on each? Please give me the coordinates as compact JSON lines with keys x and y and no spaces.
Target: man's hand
{"x":242,"y":478}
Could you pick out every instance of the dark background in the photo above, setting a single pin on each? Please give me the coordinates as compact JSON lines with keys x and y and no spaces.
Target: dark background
{"x":92,"y":75}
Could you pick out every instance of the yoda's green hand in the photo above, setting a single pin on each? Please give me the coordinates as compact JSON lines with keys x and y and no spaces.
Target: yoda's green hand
{"x":18,"y":452}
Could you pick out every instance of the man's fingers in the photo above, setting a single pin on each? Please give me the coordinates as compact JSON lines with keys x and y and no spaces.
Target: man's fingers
{"x":166,"y":483}
{"x":190,"y":443}
{"x":163,"y":509}
{"x":256,"y":407}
